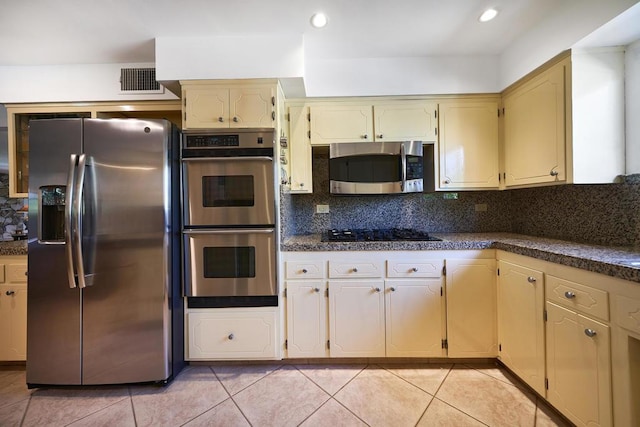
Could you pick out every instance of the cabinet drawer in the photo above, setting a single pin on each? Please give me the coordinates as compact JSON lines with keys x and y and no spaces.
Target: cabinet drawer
{"x":415,"y":268}
{"x":231,"y":334}
{"x":16,"y":273}
{"x":585,"y":299}
{"x":354,"y":269}
{"x":305,"y":269}
{"x":627,"y":313}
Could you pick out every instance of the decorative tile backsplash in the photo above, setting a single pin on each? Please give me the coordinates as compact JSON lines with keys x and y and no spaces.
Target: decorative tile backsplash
{"x":600,"y":214}
{"x":9,"y":216}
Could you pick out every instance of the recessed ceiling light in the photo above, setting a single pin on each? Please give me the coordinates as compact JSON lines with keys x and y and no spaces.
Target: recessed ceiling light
{"x":319,"y":20}
{"x":488,"y":15}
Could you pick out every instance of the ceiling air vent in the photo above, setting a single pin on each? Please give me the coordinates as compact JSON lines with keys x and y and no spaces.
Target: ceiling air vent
{"x":139,"y":80}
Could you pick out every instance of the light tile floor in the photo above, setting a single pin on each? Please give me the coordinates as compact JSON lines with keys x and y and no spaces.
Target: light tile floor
{"x":288,"y":395}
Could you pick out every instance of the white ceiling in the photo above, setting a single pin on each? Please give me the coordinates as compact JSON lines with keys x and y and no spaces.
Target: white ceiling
{"x":39,"y":32}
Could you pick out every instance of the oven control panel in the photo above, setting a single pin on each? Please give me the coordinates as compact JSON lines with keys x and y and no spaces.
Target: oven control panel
{"x":210,"y":141}
{"x":237,"y":139}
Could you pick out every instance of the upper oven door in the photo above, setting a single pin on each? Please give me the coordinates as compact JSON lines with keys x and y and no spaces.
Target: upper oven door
{"x":228,"y":191}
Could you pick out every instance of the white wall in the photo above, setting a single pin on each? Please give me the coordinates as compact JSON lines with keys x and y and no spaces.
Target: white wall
{"x":572,"y":21}
{"x":67,"y":83}
{"x":632,"y":92}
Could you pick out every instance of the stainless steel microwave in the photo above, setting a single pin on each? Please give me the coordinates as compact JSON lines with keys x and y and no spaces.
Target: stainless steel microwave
{"x":376,"y":167}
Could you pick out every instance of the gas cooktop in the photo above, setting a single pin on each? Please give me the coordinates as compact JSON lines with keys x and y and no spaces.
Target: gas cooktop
{"x":377,"y":235}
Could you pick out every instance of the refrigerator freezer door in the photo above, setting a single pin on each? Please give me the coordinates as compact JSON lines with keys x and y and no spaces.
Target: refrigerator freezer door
{"x":126,"y":328}
{"x":53,"y":307}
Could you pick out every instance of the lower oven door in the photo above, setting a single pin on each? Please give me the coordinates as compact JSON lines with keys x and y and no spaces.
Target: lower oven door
{"x":230,"y":262}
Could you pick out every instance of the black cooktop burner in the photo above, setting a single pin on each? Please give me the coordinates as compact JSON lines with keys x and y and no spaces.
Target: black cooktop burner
{"x":379,"y":235}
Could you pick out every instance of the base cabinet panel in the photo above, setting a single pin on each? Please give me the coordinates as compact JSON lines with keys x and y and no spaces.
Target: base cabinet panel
{"x":13,"y":308}
{"x":307,"y":319}
{"x":579,"y":367}
{"x":356,"y":318}
{"x":414,"y":318}
{"x":231,"y":334}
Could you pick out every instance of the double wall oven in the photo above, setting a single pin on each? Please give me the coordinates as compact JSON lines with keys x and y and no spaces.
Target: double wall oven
{"x":229,"y":218}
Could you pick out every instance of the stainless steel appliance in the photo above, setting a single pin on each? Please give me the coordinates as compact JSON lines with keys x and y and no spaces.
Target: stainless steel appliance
{"x":104,"y":304}
{"x":376,"y":167}
{"x":229,"y":217}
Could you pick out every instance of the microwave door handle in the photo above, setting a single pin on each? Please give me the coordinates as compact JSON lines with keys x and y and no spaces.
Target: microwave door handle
{"x":82,"y":161}
{"x":68,"y":215}
{"x":234,"y":231}
{"x":403,"y":160}
{"x":225,"y":159}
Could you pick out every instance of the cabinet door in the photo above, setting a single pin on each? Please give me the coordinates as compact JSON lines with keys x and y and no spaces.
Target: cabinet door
{"x":206,"y":108}
{"x":13,"y":322}
{"x":579,"y":367}
{"x":307,"y":320}
{"x":471,"y":308}
{"x":469,"y":145}
{"x":300,"y":149}
{"x":356,"y":318}
{"x":521,"y":323}
{"x":414,"y":318}
{"x":252,"y":107}
{"x":406,"y":121}
{"x":534,"y":126}
{"x":341,"y":123}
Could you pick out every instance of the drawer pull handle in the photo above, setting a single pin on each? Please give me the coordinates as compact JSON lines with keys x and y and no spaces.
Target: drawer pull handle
{"x":220,"y":119}
{"x":355,"y":270}
{"x":414,"y":269}
{"x":10,"y":293}
{"x":569,"y":295}
{"x":376,"y":289}
{"x":590,"y":333}
{"x":231,"y":336}
{"x":316,"y":289}
{"x":235,"y":120}
{"x":392,"y":289}
{"x":531,"y":279}
{"x":304,"y":271}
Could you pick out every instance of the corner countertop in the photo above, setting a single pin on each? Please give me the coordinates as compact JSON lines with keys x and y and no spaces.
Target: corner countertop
{"x":16,"y":247}
{"x":623,"y":263}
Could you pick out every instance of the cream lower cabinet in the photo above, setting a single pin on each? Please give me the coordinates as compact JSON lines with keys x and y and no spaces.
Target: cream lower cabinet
{"x":471,"y":308}
{"x":231,"y":333}
{"x":13,"y":308}
{"x":307,"y":319}
{"x":521,"y":322}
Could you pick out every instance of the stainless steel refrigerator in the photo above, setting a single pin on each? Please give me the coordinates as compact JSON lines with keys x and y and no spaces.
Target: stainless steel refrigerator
{"x":104,"y":303}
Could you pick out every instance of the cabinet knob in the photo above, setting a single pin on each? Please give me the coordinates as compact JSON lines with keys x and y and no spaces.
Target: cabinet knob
{"x":302,"y":184}
{"x":376,"y":289}
{"x":446,"y":181}
{"x":392,"y":289}
{"x":355,"y":270}
{"x":235,"y":119}
{"x":220,"y":119}
{"x":531,"y":279}
{"x":231,"y":336}
{"x":10,"y":293}
{"x":553,"y":173}
{"x":316,"y":290}
{"x":379,"y":136}
{"x":365,"y":136}
{"x":414,"y":269}
{"x":590,"y":333}
{"x":569,"y":295}
{"x":304,"y":271}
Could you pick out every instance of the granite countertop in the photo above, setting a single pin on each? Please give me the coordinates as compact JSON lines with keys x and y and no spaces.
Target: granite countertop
{"x":16,"y":247}
{"x":623,"y":263}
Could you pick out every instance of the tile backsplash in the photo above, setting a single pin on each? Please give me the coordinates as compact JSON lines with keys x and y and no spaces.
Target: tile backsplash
{"x":600,"y":214}
{"x":9,"y":215}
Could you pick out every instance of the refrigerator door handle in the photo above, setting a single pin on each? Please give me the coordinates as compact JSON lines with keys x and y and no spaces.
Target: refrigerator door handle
{"x":77,"y":207}
{"x":68,"y":214}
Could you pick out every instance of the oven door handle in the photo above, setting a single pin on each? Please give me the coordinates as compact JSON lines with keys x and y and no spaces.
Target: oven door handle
{"x":224,"y":159}
{"x":233,"y":231}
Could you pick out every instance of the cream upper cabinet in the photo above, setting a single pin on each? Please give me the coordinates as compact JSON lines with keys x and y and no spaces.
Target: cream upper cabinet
{"x":405,"y":121}
{"x":468,"y":145}
{"x":356,"y":318}
{"x":213,"y":106}
{"x":13,"y":308}
{"x":521,"y":322}
{"x":415,"y":324}
{"x":535,"y":129}
{"x":301,"y":176}
{"x":471,"y":308}
{"x":390,"y":121}
{"x":341,"y":123}
{"x":579,"y":366}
